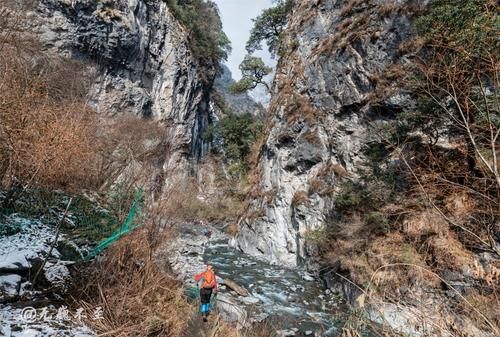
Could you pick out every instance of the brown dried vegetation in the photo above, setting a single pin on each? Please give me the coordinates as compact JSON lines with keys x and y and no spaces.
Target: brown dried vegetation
{"x":48,"y":133}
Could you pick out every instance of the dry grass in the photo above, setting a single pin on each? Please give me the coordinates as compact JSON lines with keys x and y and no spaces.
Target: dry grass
{"x":300,"y":198}
{"x":47,"y":131}
{"x":352,"y":6}
{"x":324,"y":183}
{"x":424,"y":224}
{"x":255,"y":214}
{"x":312,"y":137}
{"x":183,"y":202}
{"x":49,"y":137}
{"x":390,"y":7}
{"x":137,"y":297}
{"x":347,"y":32}
{"x":299,"y":108}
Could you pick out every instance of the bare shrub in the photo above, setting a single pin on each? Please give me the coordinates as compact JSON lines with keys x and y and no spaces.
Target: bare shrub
{"x":50,"y":138}
{"x":352,"y":6}
{"x":300,"y":198}
{"x":127,"y":148}
{"x":183,"y":202}
{"x":138,"y":299}
{"x":47,"y":131}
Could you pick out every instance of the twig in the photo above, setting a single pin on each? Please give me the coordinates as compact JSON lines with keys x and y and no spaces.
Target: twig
{"x":53,"y":243}
{"x":216,"y":327}
{"x":497,"y":332}
{"x":493,"y":248}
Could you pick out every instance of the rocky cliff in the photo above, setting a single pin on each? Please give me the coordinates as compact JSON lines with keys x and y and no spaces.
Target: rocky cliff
{"x":142,"y":64}
{"x":332,"y":83}
{"x":236,"y":103}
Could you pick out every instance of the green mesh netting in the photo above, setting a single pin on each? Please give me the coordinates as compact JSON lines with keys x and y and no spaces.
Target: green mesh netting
{"x":128,"y":225}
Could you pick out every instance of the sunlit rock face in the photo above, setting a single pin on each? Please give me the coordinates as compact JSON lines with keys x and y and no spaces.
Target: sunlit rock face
{"x":236,"y":103}
{"x":142,"y":66}
{"x":326,"y":98}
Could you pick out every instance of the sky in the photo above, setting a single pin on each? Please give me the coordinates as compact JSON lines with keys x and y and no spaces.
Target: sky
{"x":236,"y":19}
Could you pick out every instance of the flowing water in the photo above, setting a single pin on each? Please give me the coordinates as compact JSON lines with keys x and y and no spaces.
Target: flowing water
{"x":283,"y":294}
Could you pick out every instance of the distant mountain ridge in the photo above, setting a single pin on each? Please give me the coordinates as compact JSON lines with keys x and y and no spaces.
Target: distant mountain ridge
{"x":238,"y":103}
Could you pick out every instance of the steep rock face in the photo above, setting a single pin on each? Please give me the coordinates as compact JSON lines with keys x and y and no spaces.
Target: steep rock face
{"x":142,"y":64}
{"x":331,"y":87}
{"x":236,"y":103}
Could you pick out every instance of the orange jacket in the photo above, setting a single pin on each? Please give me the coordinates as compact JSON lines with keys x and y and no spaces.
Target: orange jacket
{"x":209,"y":279}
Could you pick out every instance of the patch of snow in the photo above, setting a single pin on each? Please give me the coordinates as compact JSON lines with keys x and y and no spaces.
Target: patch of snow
{"x":17,"y":250}
{"x":9,"y":285}
{"x":56,"y":273}
{"x":13,"y":325}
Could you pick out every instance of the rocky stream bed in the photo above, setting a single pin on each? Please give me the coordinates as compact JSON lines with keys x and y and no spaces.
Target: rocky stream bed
{"x":291,"y":300}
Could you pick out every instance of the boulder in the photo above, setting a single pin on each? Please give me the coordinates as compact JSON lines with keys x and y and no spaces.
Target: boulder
{"x":9,"y":286}
{"x":249,"y":300}
{"x":286,"y":333}
{"x":237,"y":288}
{"x":230,"y":310}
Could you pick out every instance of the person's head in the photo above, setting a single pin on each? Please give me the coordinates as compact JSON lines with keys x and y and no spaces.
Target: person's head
{"x":209,"y":267}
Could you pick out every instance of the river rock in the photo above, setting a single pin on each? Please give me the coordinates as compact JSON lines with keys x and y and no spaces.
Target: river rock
{"x":286,"y":333}
{"x":230,"y":310}
{"x":184,"y":255}
{"x":259,"y":317}
{"x":237,"y":288}
{"x":308,"y":277}
{"x":249,"y":300}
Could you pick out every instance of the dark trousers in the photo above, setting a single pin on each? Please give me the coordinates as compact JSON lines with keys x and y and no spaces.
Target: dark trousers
{"x":205,"y":294}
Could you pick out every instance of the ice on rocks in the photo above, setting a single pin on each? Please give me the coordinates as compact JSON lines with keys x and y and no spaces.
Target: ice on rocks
{"x":56,"y":273}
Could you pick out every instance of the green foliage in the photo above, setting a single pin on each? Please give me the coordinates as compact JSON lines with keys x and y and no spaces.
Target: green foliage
{"x":460,"y":38}
{"x":318,"y":236}
{"x":254,"y":71}
{"x":269,"y":27}
{"x":456,"y":80}
{"x":236,"y":134}
{"x":377,"y":221}
{"x":7,"y":228}
{"x":208,"y":42}
{"x":349,"y":198}
{"x":462,"y":42}
{"x":466,"y":25}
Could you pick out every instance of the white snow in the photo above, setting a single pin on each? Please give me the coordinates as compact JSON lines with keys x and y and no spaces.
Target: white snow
{"x":12,"y":325}
{"x":9,"y":284}
{"x":16,"y":250}
{"x":16,"y":253}
{"x":31,"y":242}
{"x":56,"y":273}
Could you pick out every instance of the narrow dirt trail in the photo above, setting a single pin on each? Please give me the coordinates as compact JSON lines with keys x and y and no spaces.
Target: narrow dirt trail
{"x":198,"y":328}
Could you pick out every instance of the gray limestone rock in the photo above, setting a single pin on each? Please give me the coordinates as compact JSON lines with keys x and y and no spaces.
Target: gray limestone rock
{"x":139,"y":63}
{"x":9,"y":286}
{"x":321,"y":113}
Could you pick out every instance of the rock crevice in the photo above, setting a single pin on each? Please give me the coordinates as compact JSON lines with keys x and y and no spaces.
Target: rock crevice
{"x":325,"y":98}
{"x":142,"y":66}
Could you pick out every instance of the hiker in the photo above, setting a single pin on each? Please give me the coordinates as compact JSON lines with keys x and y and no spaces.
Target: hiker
{"x":208,"y":286}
